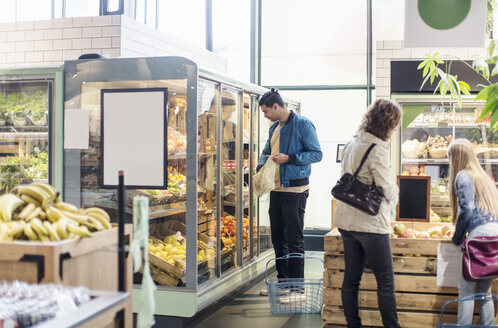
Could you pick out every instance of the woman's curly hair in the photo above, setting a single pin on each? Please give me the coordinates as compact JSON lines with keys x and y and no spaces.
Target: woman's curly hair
{"x":382,"y":117}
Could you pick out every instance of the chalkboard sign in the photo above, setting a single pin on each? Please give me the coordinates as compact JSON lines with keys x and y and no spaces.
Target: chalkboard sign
{"x":414,"y":198}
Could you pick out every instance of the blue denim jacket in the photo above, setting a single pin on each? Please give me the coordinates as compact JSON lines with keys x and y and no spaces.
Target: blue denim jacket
{"x":298,"y":139}
{"x":470,"y":217}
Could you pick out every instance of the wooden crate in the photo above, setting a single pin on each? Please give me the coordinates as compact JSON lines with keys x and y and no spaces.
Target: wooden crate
{"x":419,"y":299}
{"x":90,"y":262}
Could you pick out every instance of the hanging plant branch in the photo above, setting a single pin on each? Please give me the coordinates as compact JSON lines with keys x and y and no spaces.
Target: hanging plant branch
{"x":449,"y":84}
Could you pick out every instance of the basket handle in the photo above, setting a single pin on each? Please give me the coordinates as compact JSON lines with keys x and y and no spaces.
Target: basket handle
{"x":474,"y":297}
{"x":289,"y":256}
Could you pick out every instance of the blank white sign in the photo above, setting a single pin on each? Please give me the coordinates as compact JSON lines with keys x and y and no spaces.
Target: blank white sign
{"x":133,"y":137}
{"x":76,"y":128}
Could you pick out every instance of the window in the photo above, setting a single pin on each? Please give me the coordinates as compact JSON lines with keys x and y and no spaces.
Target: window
{"x":185,"y":20}
{"x":8,"y":12}
{"x":78,"y":8}
{"x":313,"y":42}
{"x":231,"y":35}
{"x":33,"y":10}
{"x":336,"y":115}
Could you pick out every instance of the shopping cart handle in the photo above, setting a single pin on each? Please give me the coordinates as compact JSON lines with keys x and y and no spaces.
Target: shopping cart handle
{"x":290,"y":256}
{"x":474,"y":297}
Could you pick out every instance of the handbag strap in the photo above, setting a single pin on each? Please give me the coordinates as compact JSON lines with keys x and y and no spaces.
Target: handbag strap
{"x":363,"y":160}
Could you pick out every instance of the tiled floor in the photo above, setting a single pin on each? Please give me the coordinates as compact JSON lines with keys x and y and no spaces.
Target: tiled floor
{"x":250,"y":310}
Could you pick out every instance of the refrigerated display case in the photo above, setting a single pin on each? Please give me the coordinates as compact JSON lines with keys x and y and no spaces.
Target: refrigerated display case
{"x":30,"y":126}
{"x":208,"y":233}
{"x":428,"y":125}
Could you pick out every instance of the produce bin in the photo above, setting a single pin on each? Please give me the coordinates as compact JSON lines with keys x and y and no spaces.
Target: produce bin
{"x":419,"y":299}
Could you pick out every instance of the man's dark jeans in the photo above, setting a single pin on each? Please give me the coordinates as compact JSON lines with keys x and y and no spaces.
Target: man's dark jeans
{"x":287,"y":222}
{"x":374,"y":248}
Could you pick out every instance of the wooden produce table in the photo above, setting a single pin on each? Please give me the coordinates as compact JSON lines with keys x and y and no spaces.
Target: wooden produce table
{"x":90,"y":262}
{"x":419,"y":299}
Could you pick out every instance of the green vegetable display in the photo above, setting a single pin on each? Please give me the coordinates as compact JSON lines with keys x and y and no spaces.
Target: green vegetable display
{"x":14,"y":169}
{"x":18,"y":105}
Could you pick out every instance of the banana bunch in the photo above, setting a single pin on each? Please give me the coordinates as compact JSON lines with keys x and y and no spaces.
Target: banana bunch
{"x":37,"y":212}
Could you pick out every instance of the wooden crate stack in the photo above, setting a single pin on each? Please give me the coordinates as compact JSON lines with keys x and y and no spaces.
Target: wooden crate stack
{"x":419,"y":299}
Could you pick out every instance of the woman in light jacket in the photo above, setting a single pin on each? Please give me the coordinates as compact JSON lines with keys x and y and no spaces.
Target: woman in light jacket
{"x":366,"y":237}
{"x":474,"y":203}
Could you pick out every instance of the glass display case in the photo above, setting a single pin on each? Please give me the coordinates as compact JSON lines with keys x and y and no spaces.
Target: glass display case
{"x":428,"y":127}
{"x":206,"y":226}
{"x":30,"y":129}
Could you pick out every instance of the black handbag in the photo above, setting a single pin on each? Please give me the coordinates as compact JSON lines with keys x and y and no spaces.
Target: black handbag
{"x":366,"y":198}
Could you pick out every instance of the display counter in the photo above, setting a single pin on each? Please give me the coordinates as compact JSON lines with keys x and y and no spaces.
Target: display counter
{"x":208,"y":232}
{"x":418,"y":297}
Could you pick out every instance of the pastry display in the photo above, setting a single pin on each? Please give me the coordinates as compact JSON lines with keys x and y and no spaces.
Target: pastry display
{"x":414,"y":149}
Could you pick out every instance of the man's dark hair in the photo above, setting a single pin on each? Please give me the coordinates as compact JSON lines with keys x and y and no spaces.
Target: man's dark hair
{"x":270,"y":98}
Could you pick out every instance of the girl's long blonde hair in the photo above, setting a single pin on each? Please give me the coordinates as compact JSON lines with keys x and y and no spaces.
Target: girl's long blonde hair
{"x":462,"y":157}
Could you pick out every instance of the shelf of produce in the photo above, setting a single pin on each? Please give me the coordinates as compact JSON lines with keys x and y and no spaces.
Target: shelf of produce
{"x":174,"y":155}
{"x":442,"y":161}
{"x":446,"y":125}
{"x":419,"y":299}
{"x":26,"y":128}
{"x":102,"y":311}
{"x":23,"y":135}
{"x":161,"y":211}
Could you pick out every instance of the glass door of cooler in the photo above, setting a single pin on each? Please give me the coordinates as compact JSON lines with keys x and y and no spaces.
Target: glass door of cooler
{"x":254,"y":239}
{"x":27,"y":128}
{"x":427,"y":130}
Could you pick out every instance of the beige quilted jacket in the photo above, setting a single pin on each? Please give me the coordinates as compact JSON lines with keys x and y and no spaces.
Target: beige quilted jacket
{"x":377,"y":167}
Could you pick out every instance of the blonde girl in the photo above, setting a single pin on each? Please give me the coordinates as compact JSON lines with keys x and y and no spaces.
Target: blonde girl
{"x":474,"y":203}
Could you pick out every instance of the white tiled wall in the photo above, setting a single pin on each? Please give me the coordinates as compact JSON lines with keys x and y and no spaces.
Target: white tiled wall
{"x":50,"y":42}
{"x":139,"y":40}
{"x":388,"y":51}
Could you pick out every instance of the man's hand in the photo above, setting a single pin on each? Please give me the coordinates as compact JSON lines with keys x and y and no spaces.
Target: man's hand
{"x":280,"y":158}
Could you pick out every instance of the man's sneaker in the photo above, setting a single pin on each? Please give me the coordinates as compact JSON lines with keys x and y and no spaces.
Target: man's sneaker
{"x":293,"y":297}
{"x":282,"y":291}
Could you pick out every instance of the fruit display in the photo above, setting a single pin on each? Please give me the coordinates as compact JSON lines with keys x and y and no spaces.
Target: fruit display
{"x":177,"y":142}
{"x":228,"y":230}
{"x":437,"y":232}
{"x":26,"y":305}
{"x":172,"y":249}
{"x":177,"y":182}
{"x":37,"y":212}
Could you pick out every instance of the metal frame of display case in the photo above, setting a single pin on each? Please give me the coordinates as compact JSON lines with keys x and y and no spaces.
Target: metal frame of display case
{"x":186,"y":301}
{"x":56,"y":115}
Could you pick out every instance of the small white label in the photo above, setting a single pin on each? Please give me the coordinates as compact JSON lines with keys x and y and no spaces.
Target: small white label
{"x":76,"y":128}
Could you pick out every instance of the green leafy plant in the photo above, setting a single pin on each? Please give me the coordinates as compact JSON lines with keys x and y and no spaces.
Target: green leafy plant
{"x":449,"y":84}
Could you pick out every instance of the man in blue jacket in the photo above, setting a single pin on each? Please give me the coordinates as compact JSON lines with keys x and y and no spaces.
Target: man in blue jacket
{"x":293,"y":144}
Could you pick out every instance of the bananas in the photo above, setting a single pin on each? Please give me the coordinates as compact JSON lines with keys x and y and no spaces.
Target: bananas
{"x":66,"y":207}
{"x":9,"y":203}
{"x":37,"y":212}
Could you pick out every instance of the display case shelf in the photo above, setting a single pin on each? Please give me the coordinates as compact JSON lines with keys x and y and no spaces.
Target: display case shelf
{"x":443,"y":161}
{"x":446,"y":125}
{"x":174,"y":155}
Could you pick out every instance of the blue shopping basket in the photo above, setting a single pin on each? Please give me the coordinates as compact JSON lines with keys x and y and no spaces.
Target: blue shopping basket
{"x":475,"y":297}
{"x":308,"y":299}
